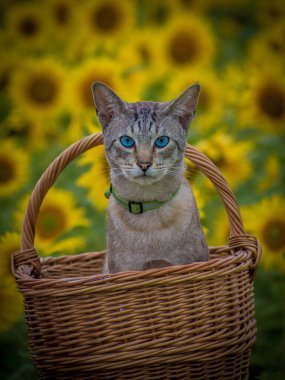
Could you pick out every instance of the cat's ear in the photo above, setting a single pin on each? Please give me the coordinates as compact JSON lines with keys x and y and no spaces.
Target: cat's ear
{"x":184,"y":106}
{"x":107,"y":103}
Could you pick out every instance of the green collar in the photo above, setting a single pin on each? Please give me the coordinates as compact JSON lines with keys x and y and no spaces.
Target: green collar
{"x":136,"y":207}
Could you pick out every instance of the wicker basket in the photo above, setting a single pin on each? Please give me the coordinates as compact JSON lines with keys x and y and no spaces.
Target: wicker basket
{"x":191,"y":321}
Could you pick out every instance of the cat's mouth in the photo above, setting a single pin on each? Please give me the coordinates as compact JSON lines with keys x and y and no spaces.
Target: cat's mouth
{"x":142,"y":177}
{"x":145,"y":175}
{"x":145,"y":179}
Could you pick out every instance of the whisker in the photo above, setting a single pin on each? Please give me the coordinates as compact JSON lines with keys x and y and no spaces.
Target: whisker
{"x":101,"y":172}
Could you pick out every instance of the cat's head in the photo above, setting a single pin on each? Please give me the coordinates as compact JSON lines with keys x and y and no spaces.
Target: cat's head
{"x":144,"y":141}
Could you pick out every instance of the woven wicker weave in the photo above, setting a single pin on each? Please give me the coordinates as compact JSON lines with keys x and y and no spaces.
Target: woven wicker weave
{"x":191,"y":321}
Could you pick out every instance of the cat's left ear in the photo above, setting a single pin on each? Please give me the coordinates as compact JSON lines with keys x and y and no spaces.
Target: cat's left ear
{"x":184,"y":106}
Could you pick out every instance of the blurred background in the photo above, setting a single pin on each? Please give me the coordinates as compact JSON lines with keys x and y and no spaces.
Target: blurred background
{"x":51,"y":52}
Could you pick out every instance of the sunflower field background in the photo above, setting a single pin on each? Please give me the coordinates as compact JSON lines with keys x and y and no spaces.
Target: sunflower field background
{"x":51,"y":52}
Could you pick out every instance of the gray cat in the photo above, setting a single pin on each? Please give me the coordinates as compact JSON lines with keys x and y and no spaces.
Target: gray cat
{"x":153,"y":220}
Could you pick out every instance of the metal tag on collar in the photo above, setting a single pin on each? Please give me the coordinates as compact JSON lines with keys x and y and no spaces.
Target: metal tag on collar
{"x":135,"y":207}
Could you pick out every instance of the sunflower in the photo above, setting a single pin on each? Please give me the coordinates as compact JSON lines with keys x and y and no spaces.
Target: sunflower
{"x":271,"y":174}
{"x":187,"y":42}
{"x":134,"y":84}
{"x":10,"y":242}
{"x":14,"y":164}
{"x":158,"y":13}
{"x":141,"y":48}
{"x":63,"y":13}
{"x":271,"y":12}
{"x":8,"y":65}
{"x":266,"y":221}
{"x":12,"y":307}
{"x":10,"y":299}
{"x":234,"y":79}
{"x":64,"y":18}
{"x":65,"y":130}
{"x":38,"y":89}
{"x":269,"y":43}
{"x":222,"y":4}
{"x":26,"y":26}
{"x":193,"y":5}
{"x":103,"y":70}
{"x":28,"y":131}
{"x":108,"y":19}
{"x":234,"y":21}
{"x":147,"y":84}
{"x":264,"y":101}
{"x":211,"y":100}
{"x":58,"y":215}
{"x":228,"y":155}
{"x":37,"y":134}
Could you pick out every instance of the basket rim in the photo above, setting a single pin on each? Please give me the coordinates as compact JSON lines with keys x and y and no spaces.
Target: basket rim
{"x":238,"y":260}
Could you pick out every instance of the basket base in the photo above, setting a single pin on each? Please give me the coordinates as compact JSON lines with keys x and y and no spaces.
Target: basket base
{"x":232,"y":367}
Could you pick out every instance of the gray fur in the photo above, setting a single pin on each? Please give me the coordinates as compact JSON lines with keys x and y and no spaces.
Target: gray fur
{"x":171,"y":234}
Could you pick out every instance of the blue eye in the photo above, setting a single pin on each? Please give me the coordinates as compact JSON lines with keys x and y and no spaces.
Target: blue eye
{"x":161,"y":141}
{"x":127,"y":141}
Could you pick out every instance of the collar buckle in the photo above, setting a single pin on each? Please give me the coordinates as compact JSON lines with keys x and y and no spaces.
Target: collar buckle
{"x":135,"y":207}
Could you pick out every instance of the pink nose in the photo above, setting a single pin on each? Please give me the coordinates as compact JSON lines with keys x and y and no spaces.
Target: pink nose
{"x":144,"y":165}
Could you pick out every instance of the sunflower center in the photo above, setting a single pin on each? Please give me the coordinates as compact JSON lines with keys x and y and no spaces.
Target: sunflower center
{"x":274,"y":234}
{"x":42,"y":90}
{"x":186,"y":3}
{"x":183,"y":48}
{"x":22,"y":130}
{"x":275,"y":45}
{"x":4,"y":79}
{"x":107,"y":18}
{"x":28,"y":27}
{"x":144,"y":52}
{"x":7,"y":171}
{"x":51,"y":222}
{"x":161,"y":14}
{"x":85,"y":88}
{"x":61,"y":13}
{"x":274,"y":12}
{"x":272,"y":101}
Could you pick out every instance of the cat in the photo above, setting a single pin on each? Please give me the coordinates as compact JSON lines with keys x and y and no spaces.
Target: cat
{"x":144,"y":145}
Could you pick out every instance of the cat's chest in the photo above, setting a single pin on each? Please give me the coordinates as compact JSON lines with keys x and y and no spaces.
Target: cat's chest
{"x":166,"y":223}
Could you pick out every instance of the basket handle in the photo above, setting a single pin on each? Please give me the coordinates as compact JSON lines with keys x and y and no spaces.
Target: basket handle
{"x":28,"y":253}
{"x":213,"y":173}
{"x":47,"y":180}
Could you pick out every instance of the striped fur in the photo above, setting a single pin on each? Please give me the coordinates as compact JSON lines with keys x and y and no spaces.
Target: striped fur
{"x":172,"y":234}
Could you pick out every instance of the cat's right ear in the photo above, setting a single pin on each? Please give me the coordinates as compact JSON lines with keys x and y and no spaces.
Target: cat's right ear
{"x":183,"y":108}
{"x":107,"y":103}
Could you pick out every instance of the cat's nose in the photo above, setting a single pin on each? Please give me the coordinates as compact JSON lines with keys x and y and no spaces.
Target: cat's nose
{"x":144,"y":165}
